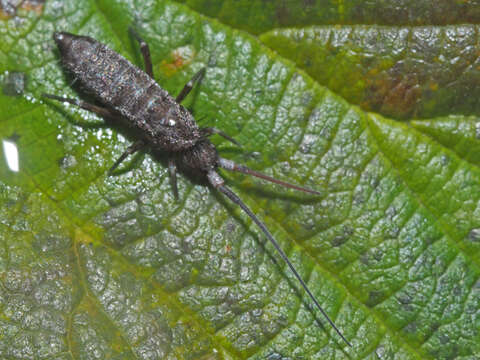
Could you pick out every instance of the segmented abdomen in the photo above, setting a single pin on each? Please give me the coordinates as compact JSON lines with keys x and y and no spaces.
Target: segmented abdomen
{"x":122,"y":86}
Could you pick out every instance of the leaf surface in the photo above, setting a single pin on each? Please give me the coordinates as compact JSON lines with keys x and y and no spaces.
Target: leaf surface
{"x":401,"y":72}
{"x":93,"y":266}
{"x":257,"y":16}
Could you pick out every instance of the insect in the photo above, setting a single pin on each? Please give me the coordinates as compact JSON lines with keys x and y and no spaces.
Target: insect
{"x":131,"y":95}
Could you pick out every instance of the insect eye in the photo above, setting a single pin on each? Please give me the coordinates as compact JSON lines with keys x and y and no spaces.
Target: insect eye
{"x":171,"y":122}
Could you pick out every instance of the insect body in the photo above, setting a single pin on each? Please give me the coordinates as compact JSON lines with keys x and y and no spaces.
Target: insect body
{"x":130,"y":91}
{"x":132,"y":96}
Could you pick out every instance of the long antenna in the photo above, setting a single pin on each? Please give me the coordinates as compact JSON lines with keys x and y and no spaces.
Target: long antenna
{"x":230,"y":165}
{"x":217,"y":181}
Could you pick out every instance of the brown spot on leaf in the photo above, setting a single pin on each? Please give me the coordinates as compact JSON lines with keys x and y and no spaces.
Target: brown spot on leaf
{"x":393,"y":93}
{"x":178,"y":59}
{"x":36,"y":6}
{"x":9,"y":8}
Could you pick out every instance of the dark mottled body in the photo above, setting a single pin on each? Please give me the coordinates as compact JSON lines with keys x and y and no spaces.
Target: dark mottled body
{"x":122,"y":86}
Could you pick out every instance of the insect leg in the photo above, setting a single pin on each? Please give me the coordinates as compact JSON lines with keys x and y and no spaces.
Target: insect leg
{"x":137,"y":145}
{"x":84,"y":105}
{"x":219,"y":184}
{"x":207,"y":131}
{"x":172,"y":169}
{"x":145,"y":52}
{"x":189,"y":86}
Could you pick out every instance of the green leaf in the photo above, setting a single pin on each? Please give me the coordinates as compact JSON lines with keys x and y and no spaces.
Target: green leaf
{"x":103,"y":267}
{"x":459,"y":133}
{"x":402,"y":72}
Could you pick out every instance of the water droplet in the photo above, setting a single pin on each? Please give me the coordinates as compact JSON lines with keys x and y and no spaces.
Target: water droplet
{"x":67,"y":161}
{"x":474,"y":235}
{"x":14,"y":83}
{"x":380,"y":351}
{"x":11,"y":155}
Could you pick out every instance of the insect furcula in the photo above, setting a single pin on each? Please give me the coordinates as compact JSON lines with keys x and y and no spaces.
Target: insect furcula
{"x":131,"y":95}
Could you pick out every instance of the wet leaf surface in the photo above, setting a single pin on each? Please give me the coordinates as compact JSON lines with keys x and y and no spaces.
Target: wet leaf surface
{"x":95,"y":267}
